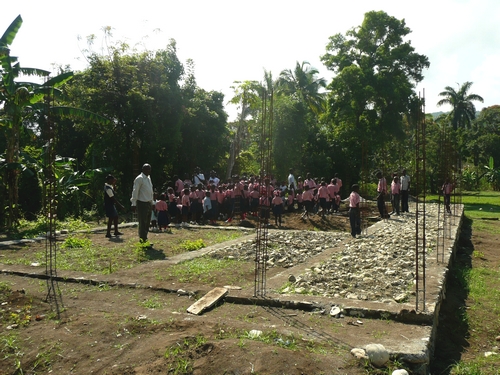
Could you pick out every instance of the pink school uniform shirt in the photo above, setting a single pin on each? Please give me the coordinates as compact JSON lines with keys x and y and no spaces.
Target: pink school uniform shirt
{"x":308,"y":195}
{"x":382,"y":185}
{"x":161,"y":206}
{"x":447,"y":188}
{"x":395,"y":187}
{"x":179,"y":186}
{"x":323,"y":192}
{"x":185,"y":200}
{"x":277,"y":201}
{"x":354,"y":199}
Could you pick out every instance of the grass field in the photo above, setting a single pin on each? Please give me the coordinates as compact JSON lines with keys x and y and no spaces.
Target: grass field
{"x":482,"y":282}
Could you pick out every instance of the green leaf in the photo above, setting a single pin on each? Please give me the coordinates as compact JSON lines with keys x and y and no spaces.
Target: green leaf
{"x":11,"y":32}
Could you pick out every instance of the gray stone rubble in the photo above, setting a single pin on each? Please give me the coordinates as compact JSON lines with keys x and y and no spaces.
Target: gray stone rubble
{"x":378,"y":266}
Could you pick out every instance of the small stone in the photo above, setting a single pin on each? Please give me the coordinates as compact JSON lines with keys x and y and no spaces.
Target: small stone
{"x":254,"y":333}
{"x":359,"y":353}
{"x":292,"y":279}
{"x":335,"y":311}
{"x":400,"y":372}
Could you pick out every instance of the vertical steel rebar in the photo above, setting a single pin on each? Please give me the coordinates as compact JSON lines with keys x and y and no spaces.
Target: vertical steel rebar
{"x":261,"y":255}
{"x":54,"y":296}
{"x":420,"y":209}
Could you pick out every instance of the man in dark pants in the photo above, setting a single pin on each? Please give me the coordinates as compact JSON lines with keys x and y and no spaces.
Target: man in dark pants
{"x":405,"y":189}
{"x":142,"y":201}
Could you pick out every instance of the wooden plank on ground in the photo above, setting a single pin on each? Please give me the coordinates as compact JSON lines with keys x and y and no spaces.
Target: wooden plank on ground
{"x":207,"y":301}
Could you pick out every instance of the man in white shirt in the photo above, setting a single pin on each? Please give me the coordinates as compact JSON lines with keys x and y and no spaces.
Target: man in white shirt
{"x":213,"y":180}
{"x":405,"y":190}
{"x":291,"y":180}
{"x":142,"y":198}
{"x":198,"y":177}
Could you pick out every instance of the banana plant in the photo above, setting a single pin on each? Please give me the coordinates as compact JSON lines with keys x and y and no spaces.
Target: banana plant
{"x":19,"y":102}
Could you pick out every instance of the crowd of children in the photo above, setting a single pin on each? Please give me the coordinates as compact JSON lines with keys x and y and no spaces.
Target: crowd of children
{"x":200,"y":201}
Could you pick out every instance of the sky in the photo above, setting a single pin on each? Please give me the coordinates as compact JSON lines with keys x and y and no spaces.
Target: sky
{"x":232,"y":40}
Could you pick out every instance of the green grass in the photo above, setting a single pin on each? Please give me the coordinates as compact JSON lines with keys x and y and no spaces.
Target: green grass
{"x":204,"y":269}
{"x":482,"y":285}
{"x":484,"y":204}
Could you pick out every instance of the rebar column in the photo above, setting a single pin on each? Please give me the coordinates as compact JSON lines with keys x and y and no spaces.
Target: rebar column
{"x":54,"y":296}
{"x":264,"y":212}
{"x":420,"y":209}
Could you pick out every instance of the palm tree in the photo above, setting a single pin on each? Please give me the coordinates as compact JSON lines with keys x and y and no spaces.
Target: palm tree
{"x":21,"y":100}
{"x":303,"y":83}
{"x":246,"y":98}
{"x":463,"y":111}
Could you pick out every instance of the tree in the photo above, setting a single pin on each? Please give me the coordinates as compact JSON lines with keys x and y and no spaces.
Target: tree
{"x":21,"y":102}
{"x":247,"y":99}
{"x":141,"y":94}
{"x":376,"y":74}
{"x":303,"y":83}
{"x":463,"y":109}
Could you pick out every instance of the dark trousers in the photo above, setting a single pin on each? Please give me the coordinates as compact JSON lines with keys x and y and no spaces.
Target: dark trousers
{"x":395,"y":203}
{"x":381,"y":205}
{"x":447,"y":202}
{"x":404,"y":201}
{"x":355,"y":221}
{"x":144,"y":218}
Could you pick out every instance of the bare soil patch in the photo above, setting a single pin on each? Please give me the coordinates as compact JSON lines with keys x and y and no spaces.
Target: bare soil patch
{"x":146,"y":330}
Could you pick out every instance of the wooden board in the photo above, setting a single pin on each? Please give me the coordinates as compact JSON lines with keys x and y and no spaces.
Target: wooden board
{"x":207,"y":301}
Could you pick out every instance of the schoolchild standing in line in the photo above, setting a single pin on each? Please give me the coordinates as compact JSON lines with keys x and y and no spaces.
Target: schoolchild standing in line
{"x":323,"y":198}
{"x":308,"y":201}
{"x":207,"y":208}
{"x":381,"y":190}
{"x":277,"y":204}
{"x":447,"y":189}
{"x":161,"y":209}
{"x":154,"y":217}
{"x":179,"y":186}
{"x":173,"y":212}
{"x":395,"y":192}
{"x":405,"y":190}
{"x":110,"y":203}
{"x":186,"y":204}
{"x":354,"y":216}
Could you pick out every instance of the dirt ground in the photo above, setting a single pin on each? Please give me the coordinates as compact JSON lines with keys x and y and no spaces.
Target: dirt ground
{"x":130,"y":328}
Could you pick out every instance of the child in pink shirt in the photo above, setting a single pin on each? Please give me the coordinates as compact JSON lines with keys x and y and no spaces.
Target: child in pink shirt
{"x":277,"y":204}
{"x":308,"y":200}
{"x":323,"y":198}
{"x":395,"y":194}
{"x":354,"y":215}
{"x":161,"y":208}
{"x":185,"y":205}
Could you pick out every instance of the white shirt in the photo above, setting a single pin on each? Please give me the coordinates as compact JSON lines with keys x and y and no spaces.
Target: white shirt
{"x":291,"y":180}
{"x":198,"y":178}
{"x":405,"y":182}
{"x":143,"y":189}
{"x":214,"y":181}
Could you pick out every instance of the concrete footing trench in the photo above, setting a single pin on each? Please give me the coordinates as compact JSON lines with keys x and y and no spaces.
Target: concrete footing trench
{"x":370,"y":277}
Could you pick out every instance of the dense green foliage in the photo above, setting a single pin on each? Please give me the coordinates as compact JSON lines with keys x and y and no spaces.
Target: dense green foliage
{"x":137,"y":107}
